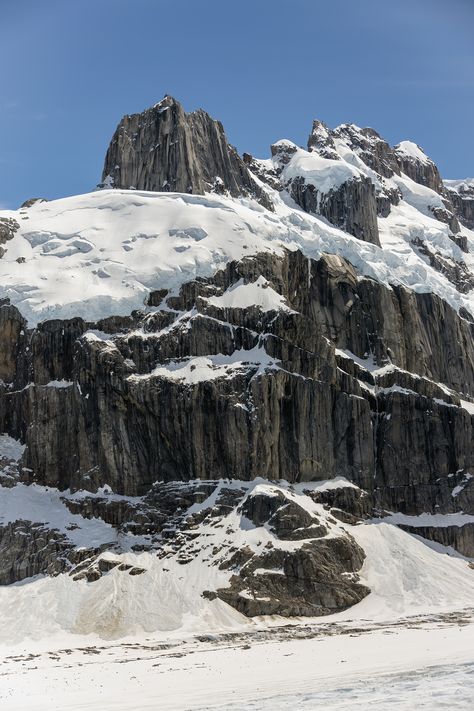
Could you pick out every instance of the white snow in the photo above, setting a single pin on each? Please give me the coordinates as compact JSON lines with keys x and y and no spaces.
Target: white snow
{"x":367,"y":363}
{"x":339,"y":482}
{"x":418,"y":196}
{"x":324,"y":173}
{"x":43,"y":505}
{"x":460,"y":487}
{"x":59,"y":384}
{"x":258,"y":293}
{"x":200,"y":368}
{"x":464,"y":187}
{"x":412,"y":150}
{"x":143,"y":241}
{"x":424,"y":664}
{"x":406,"y":577}
{"x":10,"y":448}
{"x":469,"y":406}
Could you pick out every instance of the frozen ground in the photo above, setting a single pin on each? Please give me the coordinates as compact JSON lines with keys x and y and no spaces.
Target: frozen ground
{"x":419,"y":663}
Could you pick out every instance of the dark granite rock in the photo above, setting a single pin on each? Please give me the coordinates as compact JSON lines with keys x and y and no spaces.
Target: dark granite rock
{"x":461,"y":538}
{"x":422,"y":171}
{"x":165,"y":149}
{"x":462,"y":201}
{"x":313,"y":580}
{"x":285,"y":518}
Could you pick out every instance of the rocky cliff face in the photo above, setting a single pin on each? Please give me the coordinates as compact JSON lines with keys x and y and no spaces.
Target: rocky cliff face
{"x":332,"y":371}
{"x":461,"y":195}
{"x":329,"y":383}
{"x":166,"y":149}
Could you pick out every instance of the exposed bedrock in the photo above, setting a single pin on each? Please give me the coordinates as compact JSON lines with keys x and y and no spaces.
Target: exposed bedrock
{"x":351,"y":378}
{"x":352,"y":207}
{"x":462,"y":201}
{"x":28,"y":549}
{"x":420,"y":169}
{"x":8,"y":227}
{"x":317,"y":579}
{"x":165,"y":149}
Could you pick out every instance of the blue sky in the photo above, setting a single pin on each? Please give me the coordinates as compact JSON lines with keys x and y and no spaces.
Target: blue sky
{"x":70,"y":69}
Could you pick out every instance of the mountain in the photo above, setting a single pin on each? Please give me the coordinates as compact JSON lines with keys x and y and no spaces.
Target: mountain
{"x":224,"y":379}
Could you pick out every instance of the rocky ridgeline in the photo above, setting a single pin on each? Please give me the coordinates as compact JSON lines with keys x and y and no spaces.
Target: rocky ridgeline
{"x":167,"y":149}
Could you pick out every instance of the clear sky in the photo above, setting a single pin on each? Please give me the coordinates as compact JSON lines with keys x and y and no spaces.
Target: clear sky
{"x":70,"y":69}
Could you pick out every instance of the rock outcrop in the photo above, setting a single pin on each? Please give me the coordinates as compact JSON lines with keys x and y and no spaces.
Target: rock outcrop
{"x":8,"y":227}
{"x":166,"y":149}
{"x":317,"y":579}
{"x":461,"y":196}
{"x":349,"y":203}
{"x":416,"y":164}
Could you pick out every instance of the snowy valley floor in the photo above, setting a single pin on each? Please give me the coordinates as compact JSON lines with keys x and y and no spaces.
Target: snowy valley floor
{"x":420,"y":662}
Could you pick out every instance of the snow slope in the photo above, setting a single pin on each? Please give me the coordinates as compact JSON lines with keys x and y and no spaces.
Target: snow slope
{"x":412,"y":150}
{"x":406,"y":577}
{"x":100,"y":254}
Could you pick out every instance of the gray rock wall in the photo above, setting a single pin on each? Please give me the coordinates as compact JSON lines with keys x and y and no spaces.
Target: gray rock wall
{"x":316,"y":415}
{"x":164,"y":149}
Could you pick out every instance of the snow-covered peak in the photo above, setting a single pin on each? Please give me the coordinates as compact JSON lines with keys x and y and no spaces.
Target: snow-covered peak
{"x":321,"y":141}
{"x":325,"y":174}
{"x":411,"y":150}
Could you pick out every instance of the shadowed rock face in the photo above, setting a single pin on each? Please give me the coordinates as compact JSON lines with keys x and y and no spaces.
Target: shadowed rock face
{"x":424,"y":172}
{"x":107,"y":410}
{"x":463,"y":204}
{"x":111,"y":410}
{"x":314,"y":580}
{"x":352,"y":207}
{"x":164,"y":149}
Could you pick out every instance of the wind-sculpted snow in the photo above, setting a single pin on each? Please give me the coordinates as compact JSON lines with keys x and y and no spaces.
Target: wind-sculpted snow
{"x":101,"y":254}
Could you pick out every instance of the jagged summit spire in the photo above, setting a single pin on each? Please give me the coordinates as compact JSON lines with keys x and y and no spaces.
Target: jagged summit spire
{"x":166,"y":101}
{"x":165,"y":149}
